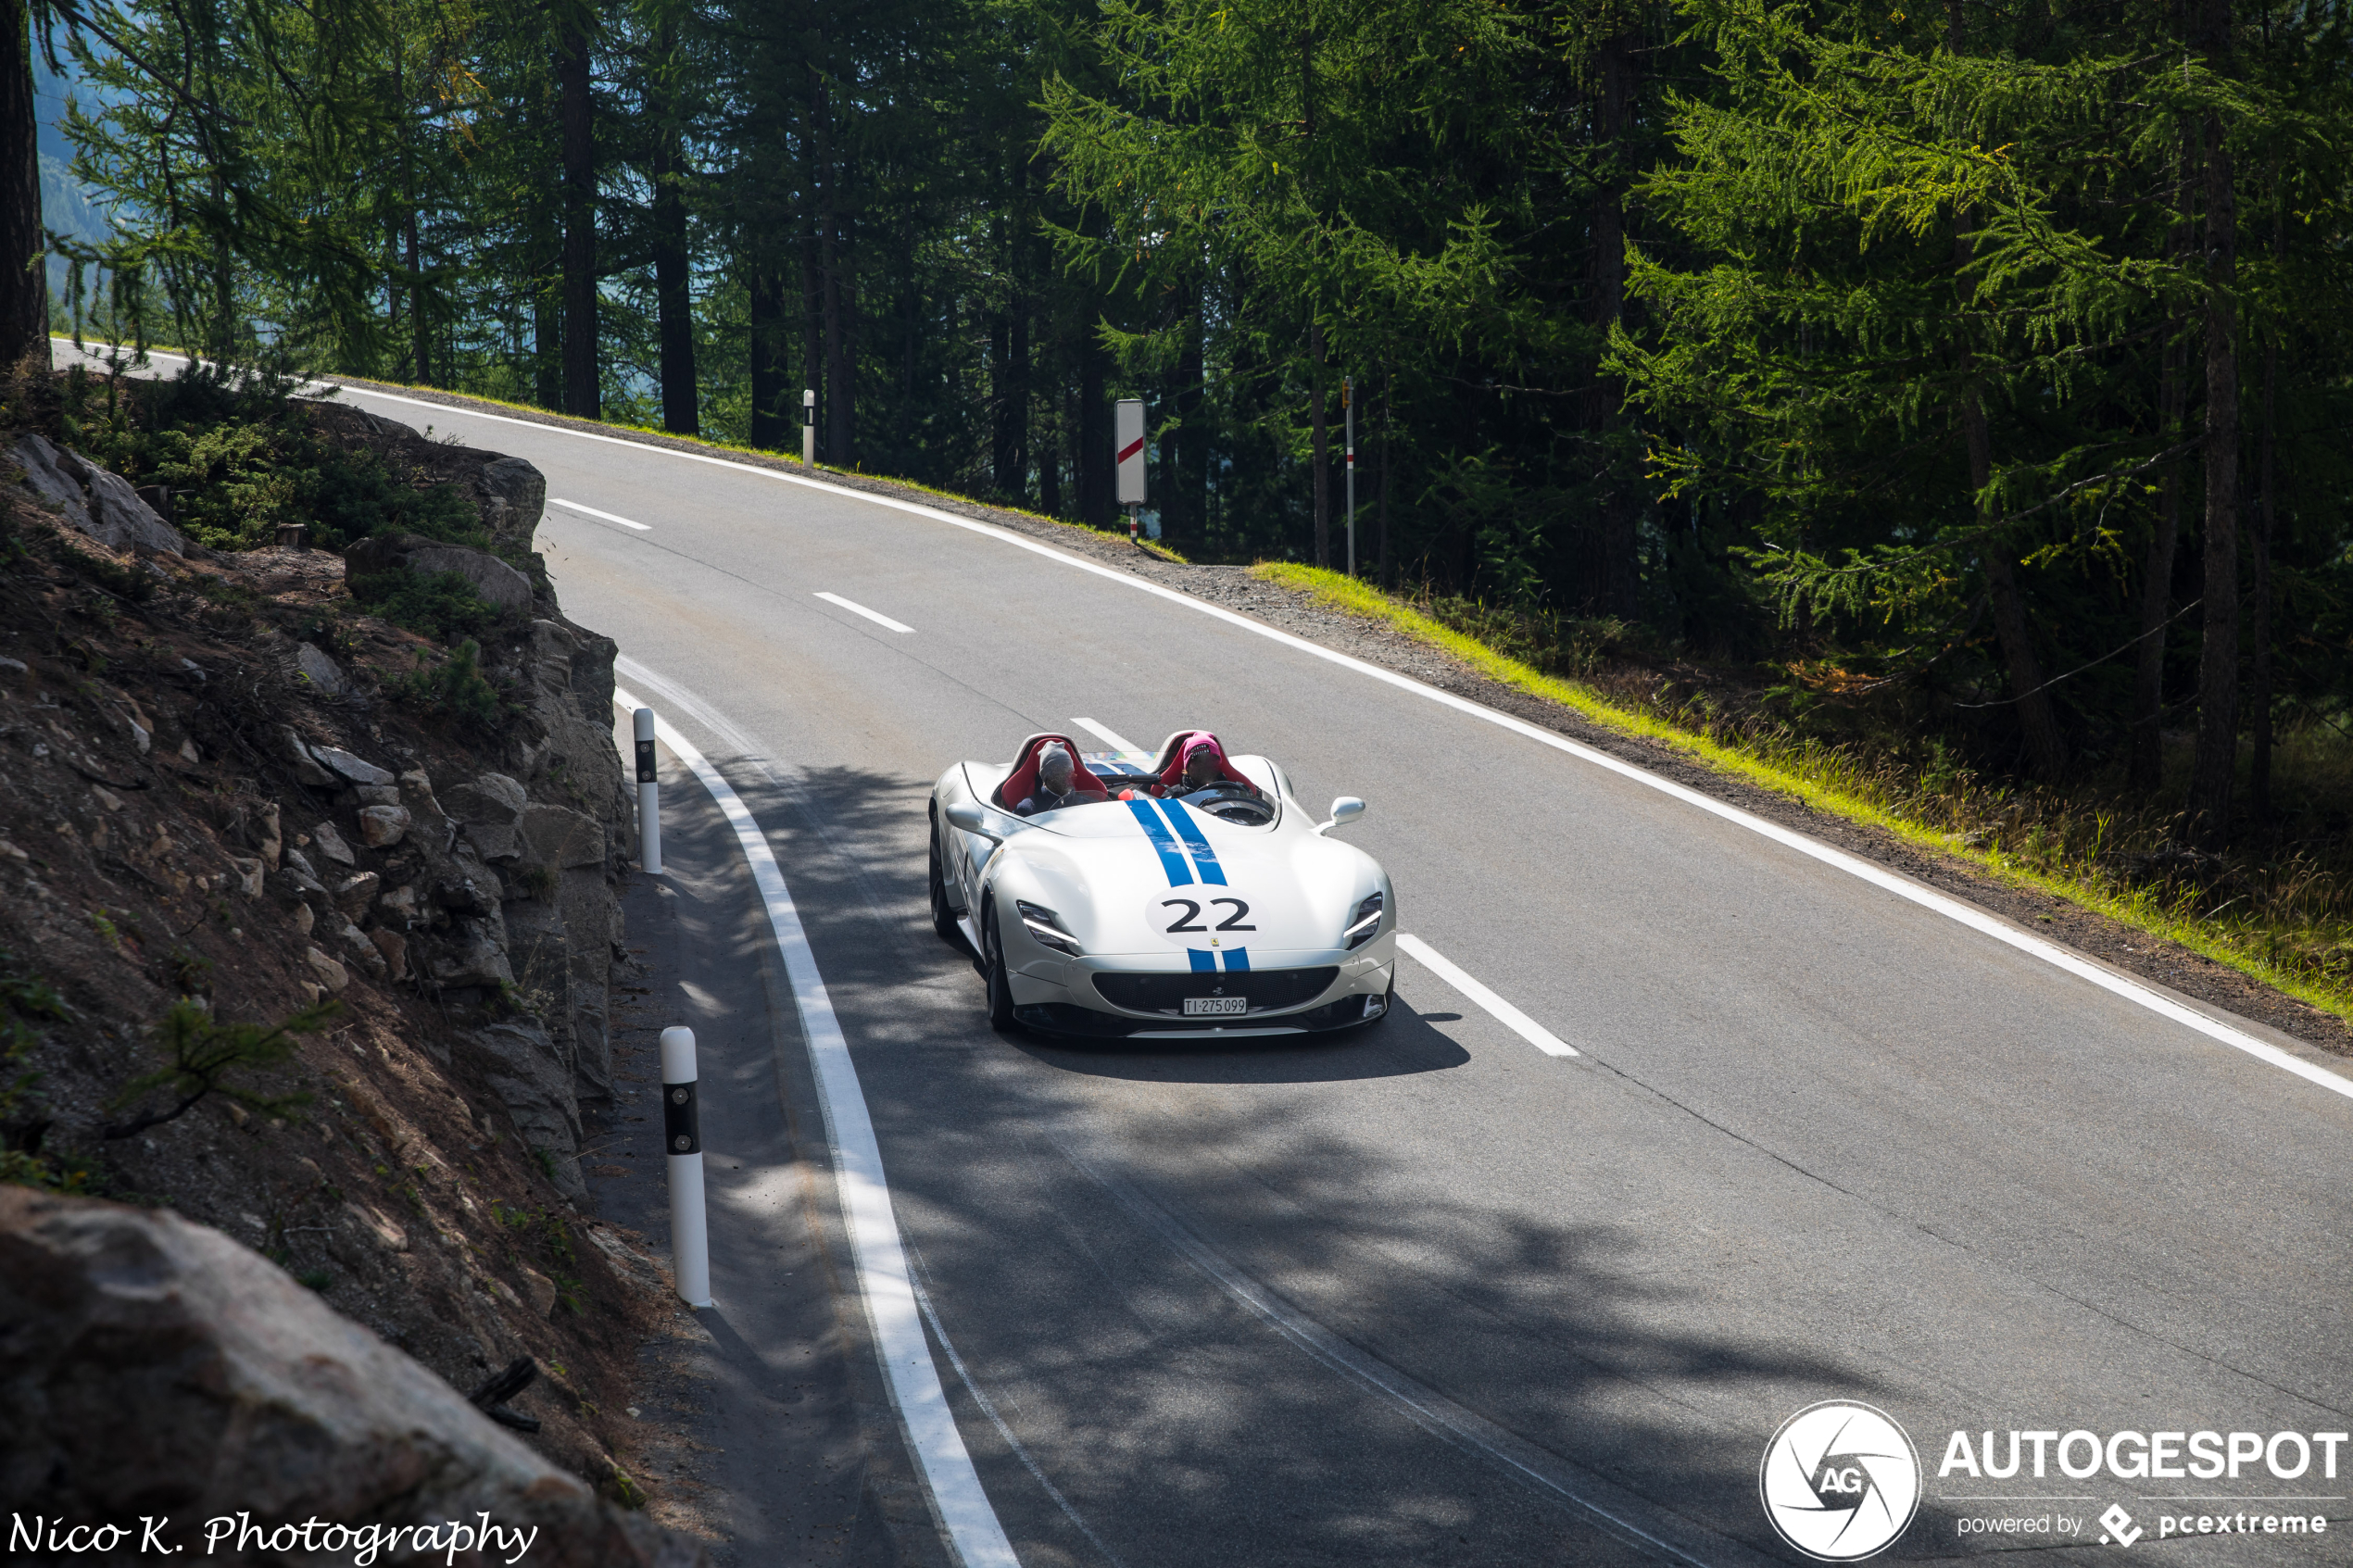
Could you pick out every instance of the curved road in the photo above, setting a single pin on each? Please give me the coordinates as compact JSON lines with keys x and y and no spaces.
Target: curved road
{"x":1381,"y":1300}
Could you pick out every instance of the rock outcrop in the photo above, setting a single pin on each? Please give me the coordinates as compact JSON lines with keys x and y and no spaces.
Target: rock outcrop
{"x":101,"y":504}
{"x":492,"y":578}
{"x":154,"y":1367}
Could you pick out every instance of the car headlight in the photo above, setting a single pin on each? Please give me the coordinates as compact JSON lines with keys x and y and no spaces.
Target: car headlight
{"x":1367,"y":922}
{"x":1047,"y":927}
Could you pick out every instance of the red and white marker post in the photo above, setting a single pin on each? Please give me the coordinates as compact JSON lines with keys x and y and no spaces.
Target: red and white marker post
{"x":1128,"y":444}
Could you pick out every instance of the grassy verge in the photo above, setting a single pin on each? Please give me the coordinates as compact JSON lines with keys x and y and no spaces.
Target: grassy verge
{"x":2284,"y":922}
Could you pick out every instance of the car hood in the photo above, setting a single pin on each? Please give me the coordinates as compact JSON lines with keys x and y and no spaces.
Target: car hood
{"x":1120,"y":874}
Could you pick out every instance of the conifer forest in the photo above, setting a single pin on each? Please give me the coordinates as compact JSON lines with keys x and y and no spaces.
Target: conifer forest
{"x":1979,"y":376}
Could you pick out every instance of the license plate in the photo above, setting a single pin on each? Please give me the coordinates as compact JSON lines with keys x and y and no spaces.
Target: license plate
{"x":1210,"y":1006}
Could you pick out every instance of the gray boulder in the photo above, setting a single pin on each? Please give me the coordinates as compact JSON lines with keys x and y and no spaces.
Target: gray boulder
{"x":101,"y":504}
{"x":511,"y":494}
{"x":493,"y":798}
{"x":323,"y":673}
{"x":520,"y":1063}
{"x":496,"y":581}
{"x":151,"y":1366}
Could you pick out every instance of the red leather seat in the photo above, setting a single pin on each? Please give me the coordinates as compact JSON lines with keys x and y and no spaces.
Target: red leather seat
{"x":1021,"y":782}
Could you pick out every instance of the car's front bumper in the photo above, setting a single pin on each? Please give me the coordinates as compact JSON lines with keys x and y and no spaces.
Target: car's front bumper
{"x":1063,"y":995}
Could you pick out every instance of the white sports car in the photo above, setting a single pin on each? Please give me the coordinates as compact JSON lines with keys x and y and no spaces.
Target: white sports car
{"x":1149,"y":908}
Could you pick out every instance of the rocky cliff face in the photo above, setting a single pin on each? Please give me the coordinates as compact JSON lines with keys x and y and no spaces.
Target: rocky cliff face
{"x":230,"y":798}
{"x":155,"y":1370}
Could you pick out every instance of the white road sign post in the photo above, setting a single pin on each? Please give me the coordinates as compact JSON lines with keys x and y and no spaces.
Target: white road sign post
{"x":641,"y":730}
{"x":1127,"y":443}
{"x":1347,"y":414}
{"x":681,"y":1142}
{"x":809,"y":427}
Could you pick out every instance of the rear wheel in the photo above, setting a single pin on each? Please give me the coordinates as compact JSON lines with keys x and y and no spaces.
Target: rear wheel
{"x":1000,"y":985}
{"x":943,"y":919}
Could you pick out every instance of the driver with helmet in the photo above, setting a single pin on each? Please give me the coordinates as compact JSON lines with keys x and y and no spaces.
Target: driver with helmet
{"x":1057,"y":777}
{"x":1201,"y":764}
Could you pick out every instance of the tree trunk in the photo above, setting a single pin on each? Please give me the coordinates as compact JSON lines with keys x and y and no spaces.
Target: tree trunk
{"x":1620,"y":573}
{"x":1320,"y":445}
{"x":2258,"y":781}
{"x":673,"y":295}
{"x":420,"y":321}
{"x":1387,"y":462}
{"x":1050,"y":455}
{"x":774,"y":409}
{"x":583,"y":394}
{"x":1189,"y":480}
{"x":24,"y":278}
{"x":1095,"y":500}
{"x":2212,"y":772}
{"x":2147,"y":765}
{"x":2046,"y":747}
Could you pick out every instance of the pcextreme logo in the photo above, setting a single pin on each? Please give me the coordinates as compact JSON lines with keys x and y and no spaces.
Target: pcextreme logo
{"x":1840,"y":1481}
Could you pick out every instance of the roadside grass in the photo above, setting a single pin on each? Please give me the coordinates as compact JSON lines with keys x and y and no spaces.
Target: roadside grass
{"x":2284,"y":918}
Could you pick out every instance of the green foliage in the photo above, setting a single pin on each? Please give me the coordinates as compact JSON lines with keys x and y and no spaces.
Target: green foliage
{"x":241,"y":458}
{"x":202,"y":1053}
{"x":443,"y":606}
{"x":454,"y":692}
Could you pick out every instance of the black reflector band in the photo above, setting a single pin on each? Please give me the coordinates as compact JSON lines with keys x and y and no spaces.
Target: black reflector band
{"x":681,"y":1127}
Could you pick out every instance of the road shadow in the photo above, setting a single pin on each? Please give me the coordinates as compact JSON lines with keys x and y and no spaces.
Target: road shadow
{"x":1401,"y":1043}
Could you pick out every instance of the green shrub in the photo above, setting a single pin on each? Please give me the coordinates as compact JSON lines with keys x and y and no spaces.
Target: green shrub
{"x":442,"y":606}
{"x":453,"y":691}
{"x":242,"y":458}
{"x":203,"y":1052}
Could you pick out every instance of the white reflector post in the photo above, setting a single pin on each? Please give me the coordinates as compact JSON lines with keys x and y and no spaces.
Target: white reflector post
{"x":809,"y":427}
{"x":641,"y":725}
{"x":1348,"y":412}
{"x":682,"y":1140}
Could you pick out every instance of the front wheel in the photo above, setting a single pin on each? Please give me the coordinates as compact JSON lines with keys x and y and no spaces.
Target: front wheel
{"x":943,"y":919}
{"x":1000,"y":985}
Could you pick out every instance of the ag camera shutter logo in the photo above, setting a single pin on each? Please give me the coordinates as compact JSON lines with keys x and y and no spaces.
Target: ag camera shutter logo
{"x":1840,"y":1481}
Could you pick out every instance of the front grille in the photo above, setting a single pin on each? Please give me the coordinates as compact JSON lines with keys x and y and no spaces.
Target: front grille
{"x":1270,"y":990}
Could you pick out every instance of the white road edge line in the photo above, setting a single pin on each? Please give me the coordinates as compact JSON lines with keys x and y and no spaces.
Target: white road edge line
{"x":988,"y":1408}
{"x":1504,"y":1014}
{"x":1104,"y":736}
{"x":1982,"y":922}
{"x":856,"y":608}
{"x":882,"y":1278}
{"x":576,"y":507}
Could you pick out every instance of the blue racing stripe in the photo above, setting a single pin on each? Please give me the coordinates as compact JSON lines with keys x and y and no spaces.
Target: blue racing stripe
{"x":1203,"y":963}
{"x":1204,"y":858}
{"x":1172,"y":860}
{"x":1238,"y":958}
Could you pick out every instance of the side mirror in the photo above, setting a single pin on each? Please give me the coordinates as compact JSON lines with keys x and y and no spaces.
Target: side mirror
{"x":967,"y":815}
{"x":1345,"y":809}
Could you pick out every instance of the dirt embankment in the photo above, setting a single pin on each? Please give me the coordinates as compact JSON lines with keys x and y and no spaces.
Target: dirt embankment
{"x":230,"y":802}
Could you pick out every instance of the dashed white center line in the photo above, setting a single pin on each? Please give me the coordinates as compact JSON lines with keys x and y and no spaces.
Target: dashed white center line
{"x":1503,"y":1012}
{"x":574,"y":506}
{"x":1106,"y":737}
{"x":856,"y":608}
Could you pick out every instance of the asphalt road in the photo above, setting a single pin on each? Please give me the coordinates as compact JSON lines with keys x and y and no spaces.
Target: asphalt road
{"x":1821,"y":1142}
